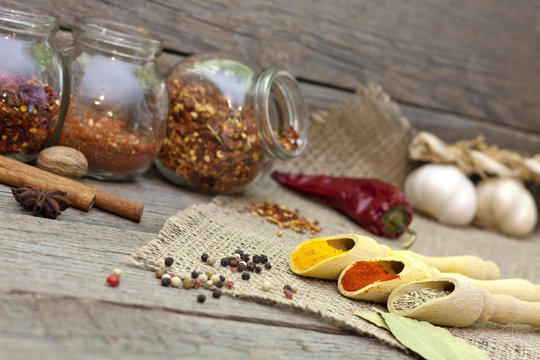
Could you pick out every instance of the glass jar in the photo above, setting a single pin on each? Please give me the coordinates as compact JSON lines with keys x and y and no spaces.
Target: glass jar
{"x":227,"y":121}
{"x":118,"y":104}
{"x":31,"y":81}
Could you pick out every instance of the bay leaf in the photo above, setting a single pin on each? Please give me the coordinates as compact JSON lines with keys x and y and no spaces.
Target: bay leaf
{"x":374,"y":318}
{"x":429,"y":341}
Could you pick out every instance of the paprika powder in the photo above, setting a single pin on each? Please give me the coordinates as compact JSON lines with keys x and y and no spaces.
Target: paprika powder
{"x":364,"y":273}
{"x":377,"y":206}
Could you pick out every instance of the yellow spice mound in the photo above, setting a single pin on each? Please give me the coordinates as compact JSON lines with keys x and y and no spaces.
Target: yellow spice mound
{"x":313,"y":253}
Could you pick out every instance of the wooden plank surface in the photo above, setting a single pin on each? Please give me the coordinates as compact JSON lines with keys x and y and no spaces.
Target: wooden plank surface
{"x":471,"y":58}
{"x":54,"y":300}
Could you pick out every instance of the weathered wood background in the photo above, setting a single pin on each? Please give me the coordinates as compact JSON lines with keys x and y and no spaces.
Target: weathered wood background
{"x":458,"y":68}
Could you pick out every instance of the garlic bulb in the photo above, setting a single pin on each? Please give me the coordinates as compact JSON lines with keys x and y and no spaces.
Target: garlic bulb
{"x":506,"y":205}
{"x":442,"y":192}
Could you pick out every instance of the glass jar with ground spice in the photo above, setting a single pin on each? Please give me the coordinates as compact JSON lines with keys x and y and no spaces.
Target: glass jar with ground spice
{"x":31,"y":80}
{"x":227,"y":121}
{"x":118,"y":105}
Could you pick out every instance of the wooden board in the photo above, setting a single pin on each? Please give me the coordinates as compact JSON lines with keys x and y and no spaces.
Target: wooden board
{"x":476,"y":59}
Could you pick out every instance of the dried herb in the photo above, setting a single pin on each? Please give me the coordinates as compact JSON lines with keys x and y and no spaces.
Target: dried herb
{"x":416,"y":298}
{"x":283,"y":217}
{"x":108,"y":141}
{"x":28,"y":113}
{"x":47,"y":204}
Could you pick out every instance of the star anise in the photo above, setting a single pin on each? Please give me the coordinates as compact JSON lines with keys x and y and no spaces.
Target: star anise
{"x":47,"y":204}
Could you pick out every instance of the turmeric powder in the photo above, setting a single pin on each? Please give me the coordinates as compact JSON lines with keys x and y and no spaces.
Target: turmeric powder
{"x":313,"y":253}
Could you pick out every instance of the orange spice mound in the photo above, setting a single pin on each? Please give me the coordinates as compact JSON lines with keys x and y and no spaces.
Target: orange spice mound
{"x":364,"y":273}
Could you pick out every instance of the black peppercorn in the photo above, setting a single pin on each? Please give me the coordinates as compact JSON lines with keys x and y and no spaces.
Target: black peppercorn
{"x":165,"y":281}
{"x":245,"y":257}
{"x":258,"y":269}
{"x":221,"y":278}
{"x":256,"y":259}
{"x":218,"y":284}
{"x":268,"y":266}
{"x":233,"y":263}
{"x":239,"y":252}
{"x":251,"y":266}
{"x":225,"y":261}
{"x":204,"y":257}
{"x":201,"y":298}
{"x":194,"y":274}
{"x":264,"y":259}
{"x":287,"y":287}
{"x":245,"y":276}
{"x":241,"y":267}
{"x":216,"y":294}
{"x":169,"y":261}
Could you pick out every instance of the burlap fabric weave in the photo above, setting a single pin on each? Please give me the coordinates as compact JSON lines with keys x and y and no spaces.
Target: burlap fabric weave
{"x":365,"y":137}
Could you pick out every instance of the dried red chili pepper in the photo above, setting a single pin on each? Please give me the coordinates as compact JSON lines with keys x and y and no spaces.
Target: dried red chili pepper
{"x":375,"y":205}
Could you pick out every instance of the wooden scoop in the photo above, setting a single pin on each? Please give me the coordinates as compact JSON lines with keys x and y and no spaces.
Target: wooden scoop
{"x":408,"y":269}
{"x":358,"y":247}
{"x":519,"y":288}
{"x":465,"y":305}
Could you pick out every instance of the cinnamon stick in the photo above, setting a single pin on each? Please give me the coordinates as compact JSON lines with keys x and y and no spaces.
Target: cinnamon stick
{"x":83,"y":200}
{"x":104,"y":200}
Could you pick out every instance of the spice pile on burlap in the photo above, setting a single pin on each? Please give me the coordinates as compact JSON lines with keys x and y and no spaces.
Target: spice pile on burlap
{"x":363,"y":137}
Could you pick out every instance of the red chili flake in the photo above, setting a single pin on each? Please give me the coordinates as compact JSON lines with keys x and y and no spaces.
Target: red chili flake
{"x":113,"y":280}
{"x":28,"y":113}
{"x":283,"y":217}
{"x":108,"y":141}
{"x":213,"y":144}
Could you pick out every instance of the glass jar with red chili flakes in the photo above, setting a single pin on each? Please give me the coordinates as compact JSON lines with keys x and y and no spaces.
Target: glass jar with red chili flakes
{"x":227,"y":121}
{"x":118,"y":107}
{"x":31,"y":81}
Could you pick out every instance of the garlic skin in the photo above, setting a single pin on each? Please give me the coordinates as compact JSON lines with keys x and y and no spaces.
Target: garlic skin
{"x":507,"y":206}
{"x":442,"y":192}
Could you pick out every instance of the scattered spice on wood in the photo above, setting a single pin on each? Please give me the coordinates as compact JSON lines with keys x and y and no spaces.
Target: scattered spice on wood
{"x":117,"y":272}
{"x":113,"y":280}
{"x":416,"y":298}
{"x":29,"y":111}
{"x":282,"y":217}
{"x":48,"y":204}
{"x":216,"y":294}
{"x":201,"y":298}
{"x":109,"y":142}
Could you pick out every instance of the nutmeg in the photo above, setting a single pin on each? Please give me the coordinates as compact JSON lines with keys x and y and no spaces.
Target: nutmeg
{"x":63,"y":160}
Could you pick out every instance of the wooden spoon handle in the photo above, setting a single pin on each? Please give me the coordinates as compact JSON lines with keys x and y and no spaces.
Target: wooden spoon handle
{"x":471,"y":266}
{"x":519,"y":288}
{"x":509,"y":310}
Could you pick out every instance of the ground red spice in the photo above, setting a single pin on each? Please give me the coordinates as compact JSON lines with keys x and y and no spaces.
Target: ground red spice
{"x":364,"y":273}
{"x":107,"y":142}
{"x":213,"y":145}
{"x":28,"y":113}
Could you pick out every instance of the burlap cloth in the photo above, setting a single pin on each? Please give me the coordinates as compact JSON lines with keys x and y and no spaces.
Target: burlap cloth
{"x":365,"y":137}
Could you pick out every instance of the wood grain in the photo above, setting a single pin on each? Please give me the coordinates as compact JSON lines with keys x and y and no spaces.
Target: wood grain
{"x":67,"y":307}
{"x":477,"y":59}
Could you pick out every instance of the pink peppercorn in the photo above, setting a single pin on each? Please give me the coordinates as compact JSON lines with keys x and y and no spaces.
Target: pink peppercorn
{"x":113,"y":280}
{"x":288,"y":293}
{"x":229,"y":284}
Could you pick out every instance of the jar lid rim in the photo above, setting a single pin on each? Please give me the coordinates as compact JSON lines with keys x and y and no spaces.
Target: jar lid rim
{"x":117,"y":33}
{"x":28,"y":19}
